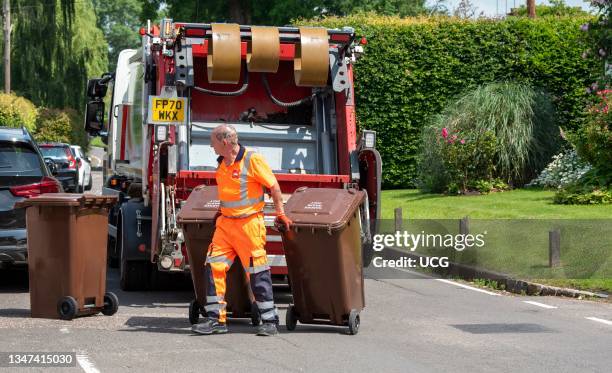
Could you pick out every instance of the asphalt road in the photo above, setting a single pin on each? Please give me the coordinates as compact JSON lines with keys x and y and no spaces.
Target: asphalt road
{"x":409,"y":325}
{"x":413,"y":324}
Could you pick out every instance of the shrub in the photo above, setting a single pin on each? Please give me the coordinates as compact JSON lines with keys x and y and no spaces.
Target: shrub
{"x":580,"y":195}
{"x":413,"y":67}
{"x":53,"y":125}
{"x":503,"y":130}
{"x":17,"y":111}
{"x":566,"y":168}
{"x":594,"y":139}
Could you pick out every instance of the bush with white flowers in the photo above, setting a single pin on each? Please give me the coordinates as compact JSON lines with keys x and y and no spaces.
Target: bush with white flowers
{"x":565,"y":168}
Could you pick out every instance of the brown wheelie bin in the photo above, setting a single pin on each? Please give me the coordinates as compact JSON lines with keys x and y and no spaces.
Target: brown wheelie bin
{"x":323,"y":252}
{"x":197,"y":219}
{"x":67,"y":236}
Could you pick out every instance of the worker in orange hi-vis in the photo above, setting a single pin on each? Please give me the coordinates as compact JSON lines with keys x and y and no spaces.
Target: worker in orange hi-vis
{"x":240,"y":232}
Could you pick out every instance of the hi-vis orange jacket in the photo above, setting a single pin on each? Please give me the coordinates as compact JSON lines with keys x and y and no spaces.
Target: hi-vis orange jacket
{"x":241,"y":184}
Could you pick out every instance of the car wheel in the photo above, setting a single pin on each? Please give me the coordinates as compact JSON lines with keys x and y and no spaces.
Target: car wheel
{"x":90,"y":183}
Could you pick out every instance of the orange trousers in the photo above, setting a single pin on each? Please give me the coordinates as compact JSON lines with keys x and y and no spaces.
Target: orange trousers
{"x":244,"y":238}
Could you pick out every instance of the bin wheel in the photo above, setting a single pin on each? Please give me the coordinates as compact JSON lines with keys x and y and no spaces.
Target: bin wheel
{"x":67,"y":308}
{"x":353,"y":322}
{"x":255,"y":315}
{"x":194,"y":312}
{"x":291,"y":318}
{"x":111,"y":304}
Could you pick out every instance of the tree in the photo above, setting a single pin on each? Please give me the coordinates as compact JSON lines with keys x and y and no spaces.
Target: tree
{"x":120,"y":22}
{"x":274,"y":12}
{"x":56,"y":47}
{"x":555,"y":8}
{"x":465,"y":9}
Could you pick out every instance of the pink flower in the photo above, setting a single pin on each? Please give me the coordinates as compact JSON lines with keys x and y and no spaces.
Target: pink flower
{"x":444,"y":132}
{"x":454,"y":137}
{"x":462,"y":141}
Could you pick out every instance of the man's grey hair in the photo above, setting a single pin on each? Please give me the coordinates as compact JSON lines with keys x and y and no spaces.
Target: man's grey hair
{"x":226,"y":132}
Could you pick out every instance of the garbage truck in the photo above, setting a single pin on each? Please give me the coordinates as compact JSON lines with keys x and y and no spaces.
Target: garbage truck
{"x":289,"y":93}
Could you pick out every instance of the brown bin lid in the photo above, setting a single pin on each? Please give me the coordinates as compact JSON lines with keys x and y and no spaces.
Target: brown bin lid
{"x":201,"y":206}
{"x":68,"y":199}
{"x":323,"y":207}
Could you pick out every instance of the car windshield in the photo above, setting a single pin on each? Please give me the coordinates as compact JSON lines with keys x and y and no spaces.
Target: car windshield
{"x":16,"y":158}
{"x":56,"y":152}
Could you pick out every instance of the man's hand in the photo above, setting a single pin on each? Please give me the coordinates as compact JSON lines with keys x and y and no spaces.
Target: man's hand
{"x":282,"y":223}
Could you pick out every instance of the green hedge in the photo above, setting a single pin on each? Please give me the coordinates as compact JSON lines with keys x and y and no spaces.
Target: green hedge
{"x":16,"y":111}
{"x":412,"y":67}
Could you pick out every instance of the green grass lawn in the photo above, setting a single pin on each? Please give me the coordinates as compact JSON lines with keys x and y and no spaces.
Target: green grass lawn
{"x":517,"y":224}
{"x":516,"y":204}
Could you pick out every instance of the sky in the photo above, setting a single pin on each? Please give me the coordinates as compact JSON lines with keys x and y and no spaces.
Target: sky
{"x":492,"y":7}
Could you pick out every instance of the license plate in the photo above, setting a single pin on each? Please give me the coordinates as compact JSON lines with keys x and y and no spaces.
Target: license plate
{"x":167,"y":110}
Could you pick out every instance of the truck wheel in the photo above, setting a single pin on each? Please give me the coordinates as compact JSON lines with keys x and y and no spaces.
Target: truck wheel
{"x":111,"y":304}
{"x":194,"y":312}
{"x":67,"y":308}
{"x":353,"y":322}
{"x":113,"y":261}
{"x":291,"y":318}
{"x":134,"y":275}
{"x":255,"y":315}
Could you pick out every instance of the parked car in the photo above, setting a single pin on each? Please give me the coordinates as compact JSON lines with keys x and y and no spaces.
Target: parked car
{"x":23,"y":174}
{"x":84,"y":171}
{"x":67,"y":164}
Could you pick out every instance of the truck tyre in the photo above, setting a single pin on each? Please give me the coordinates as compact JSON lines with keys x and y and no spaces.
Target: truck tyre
{"x":134,"y":274}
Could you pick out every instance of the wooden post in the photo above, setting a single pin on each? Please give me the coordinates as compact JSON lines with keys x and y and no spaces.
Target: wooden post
{"x":464,"y":225}
{"x":398,"y":219}
{"x":6,"y":14}
{"x":554,"y":248}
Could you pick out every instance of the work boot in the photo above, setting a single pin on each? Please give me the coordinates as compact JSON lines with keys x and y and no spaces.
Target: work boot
{"x":267,"y":329}
{"x":209,"y":326}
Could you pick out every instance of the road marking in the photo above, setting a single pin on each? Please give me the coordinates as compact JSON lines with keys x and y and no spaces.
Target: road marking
{"x":466,"y":286}
{"x":86,"y":364}
{"x":539,"y":304}
{"x":607,"y":322}
{"x":65,"y":330}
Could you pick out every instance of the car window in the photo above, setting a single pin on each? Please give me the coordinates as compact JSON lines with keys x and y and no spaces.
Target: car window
{"x":56,"y":152}
{"x":81,"y":153}
{"x":19,"y":158}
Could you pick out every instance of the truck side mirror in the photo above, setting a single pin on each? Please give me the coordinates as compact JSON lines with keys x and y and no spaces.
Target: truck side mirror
{"x":96,"y":88}
{"x":94,"y":118}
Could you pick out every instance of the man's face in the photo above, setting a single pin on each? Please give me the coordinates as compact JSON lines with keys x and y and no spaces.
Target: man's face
{"x":220,"y":146}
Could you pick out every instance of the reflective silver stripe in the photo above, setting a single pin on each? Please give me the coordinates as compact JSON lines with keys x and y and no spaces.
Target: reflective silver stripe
{"x":270,"y":315}
{"x":246,"y":166}
{"x":213,"y":299}
{"x":244,"y":201}
{"x":265,"y":305}
{"x":258,"y":269}
{"x":219,"y":259}
{"x":214,"y":307}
